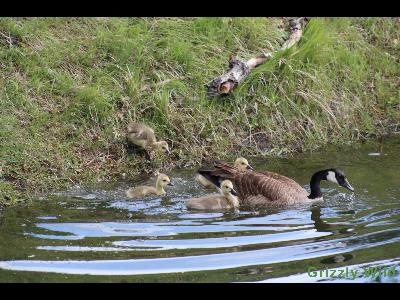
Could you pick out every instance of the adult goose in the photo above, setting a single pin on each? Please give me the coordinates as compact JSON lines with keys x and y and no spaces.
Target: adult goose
{"x":272,"y":189}
{"x":143,"y":136}
{"x":227,"y":199}
{"x":240,"y":163}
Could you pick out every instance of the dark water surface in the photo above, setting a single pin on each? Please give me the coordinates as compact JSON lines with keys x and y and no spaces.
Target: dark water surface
{"x":88,"y":235}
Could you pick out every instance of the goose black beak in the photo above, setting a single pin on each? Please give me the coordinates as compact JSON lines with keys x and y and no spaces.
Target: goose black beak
{"x":249,"y":168}
{"x":347,"y":185}
{"x":168,"y":152}
{"x":233,"y":192}
{"x":170,"y":184}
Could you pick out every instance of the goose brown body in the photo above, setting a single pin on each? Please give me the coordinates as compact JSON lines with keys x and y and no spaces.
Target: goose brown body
{"x":262,"y":188}
{"x":284,"y":179}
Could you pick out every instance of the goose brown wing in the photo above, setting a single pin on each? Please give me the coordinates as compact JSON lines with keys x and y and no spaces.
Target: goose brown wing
{"x":248,"y":183}
{"x":284,"y":179}
{"x":258,"y":188}
{"x":252,"y":184}
{"x":226,"y":169}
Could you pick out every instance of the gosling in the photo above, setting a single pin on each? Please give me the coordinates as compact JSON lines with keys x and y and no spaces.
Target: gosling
{"x":143,"y":136}
{"x":144,"y":191}
{"x":240,"y":163}
{"x":227,"y":199}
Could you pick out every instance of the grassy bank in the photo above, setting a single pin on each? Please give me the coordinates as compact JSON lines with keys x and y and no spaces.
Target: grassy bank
{"x":69,"y":86}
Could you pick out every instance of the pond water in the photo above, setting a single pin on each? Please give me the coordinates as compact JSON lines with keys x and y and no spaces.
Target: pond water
{"x":98,"y":235}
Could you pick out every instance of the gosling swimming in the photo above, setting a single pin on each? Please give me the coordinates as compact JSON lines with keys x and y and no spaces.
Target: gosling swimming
{"x":240,"y":163}
{"x":143,"y":136}
{"x":256,"y":188}
{"x":227,"y":199}
{"x":144,"y":191}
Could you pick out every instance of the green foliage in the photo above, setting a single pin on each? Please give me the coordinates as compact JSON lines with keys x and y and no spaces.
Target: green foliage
{"x":69,"y":86}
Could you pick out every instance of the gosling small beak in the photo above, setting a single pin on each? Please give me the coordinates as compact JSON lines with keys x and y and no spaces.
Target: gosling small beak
{"x":249,"y":168}
{"x":170,"y":184}
{"x":347,"y":185}
{"x":167,"y":151}
{"x":233,"y":192}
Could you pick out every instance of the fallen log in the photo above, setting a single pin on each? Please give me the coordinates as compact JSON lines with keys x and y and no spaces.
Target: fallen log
{"x":238,"y":70}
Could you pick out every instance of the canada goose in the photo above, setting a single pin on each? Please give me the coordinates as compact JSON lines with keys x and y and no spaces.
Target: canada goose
{"x":271,"y":189}
{"x":227,"y":199}
{"x":143,"y":136}
{"x":143,"y":191}
{"x":240,"y":163}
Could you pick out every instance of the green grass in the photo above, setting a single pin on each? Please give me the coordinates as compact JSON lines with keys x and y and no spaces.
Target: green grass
{"x":70,"y":85}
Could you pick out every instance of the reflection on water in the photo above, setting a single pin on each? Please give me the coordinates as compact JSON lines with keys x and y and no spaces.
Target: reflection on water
{"x":207,"y":262}
{"x":96,"y":232}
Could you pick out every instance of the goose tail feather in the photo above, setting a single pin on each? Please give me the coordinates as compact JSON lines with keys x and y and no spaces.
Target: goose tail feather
{"x":208,"y":174}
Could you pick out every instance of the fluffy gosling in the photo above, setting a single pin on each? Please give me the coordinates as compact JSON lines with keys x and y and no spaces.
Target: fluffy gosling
{"x":143,"y":136}
{"x":143,"y":191}
{"x":227,"y":199}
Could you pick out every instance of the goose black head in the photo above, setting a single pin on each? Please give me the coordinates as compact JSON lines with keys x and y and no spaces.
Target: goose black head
{"x":337,"y":176}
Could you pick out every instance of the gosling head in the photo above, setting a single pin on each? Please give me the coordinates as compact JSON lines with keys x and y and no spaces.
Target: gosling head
{"x":163,"y":180}
{"x":242,"y":164}
{"x":338,"y":177}
{"x":227,"y":187}
{"x":163,"y":146}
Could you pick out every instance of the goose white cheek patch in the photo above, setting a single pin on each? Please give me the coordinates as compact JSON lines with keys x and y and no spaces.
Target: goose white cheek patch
{"x":331,"y":177}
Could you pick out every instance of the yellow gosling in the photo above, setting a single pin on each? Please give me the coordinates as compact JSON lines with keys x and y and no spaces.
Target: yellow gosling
{"x":226,"y":200}
{"x":143,"y":136}
{"x":144,"y":191}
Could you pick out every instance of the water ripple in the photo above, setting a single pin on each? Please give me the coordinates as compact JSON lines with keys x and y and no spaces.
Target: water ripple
{"x":206,"y":262}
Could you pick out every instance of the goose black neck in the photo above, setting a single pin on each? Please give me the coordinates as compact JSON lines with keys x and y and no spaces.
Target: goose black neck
{"x":315,"y":184}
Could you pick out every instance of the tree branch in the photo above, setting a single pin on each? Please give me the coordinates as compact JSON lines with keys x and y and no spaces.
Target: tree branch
{"x":238,"y":70}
